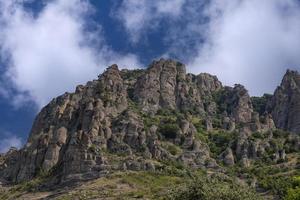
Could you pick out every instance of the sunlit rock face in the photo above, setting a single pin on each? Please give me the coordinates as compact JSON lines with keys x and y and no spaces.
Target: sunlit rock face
{"x":285,"y":104}
{"x":143,"y":119}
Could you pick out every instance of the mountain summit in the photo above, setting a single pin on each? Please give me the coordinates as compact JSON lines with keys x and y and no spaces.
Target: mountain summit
{"x":154,"y":118}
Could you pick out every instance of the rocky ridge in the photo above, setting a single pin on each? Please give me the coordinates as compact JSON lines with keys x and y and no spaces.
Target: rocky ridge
{"x":151,"y":119}
{"x":285,"y":104}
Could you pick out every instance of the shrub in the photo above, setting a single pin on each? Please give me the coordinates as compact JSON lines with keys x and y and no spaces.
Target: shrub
{"x":260,"y":103}
{"x":198,"y":123}
{"x":202,"y":136}
{"x":149,"y":121}
{"x":216,"y":123}
{"x":293,"y":194}
{"x":220,"y":98}
{"x":174,"y":150}
{"x":219,"y":141}
{"x":296,"y":181}
{"x":169,"y":130}
{"x":131,"y":74}
{"x":258,"y":135}
{"x":278,"y":185}
{"x":207,"y":188}
{"x":278,"y":133}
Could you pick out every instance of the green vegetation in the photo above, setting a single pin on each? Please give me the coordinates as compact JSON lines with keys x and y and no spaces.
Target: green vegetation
{"x":286,"y":187}
{"x":132,"y":74}
{"x":208,"y":188}
{"x":24,"y":187}
{"x":125,"y":185}
{"x":219,"y":140}
{"x":166,"y":120}
{"x":219,"y":97}
{"x":172,"y":148}
{"x":278,"y":133}
{"x":278,"y":185}
{"x":94,"y":149}
{"x":260,"y":103}
{"x":258,"y":135}
{"x":293,"y":194}
{"x":173,"y":180}
{"x":198,"y":123}
{"x":169,"y":130}
{"x":280,"y":180}
{"x":129,"y":76}
{"x":133,"y":106}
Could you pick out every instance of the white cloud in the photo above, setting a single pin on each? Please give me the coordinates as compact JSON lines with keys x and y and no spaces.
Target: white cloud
{"x":140,"y":16}
{"x":10,"y":141}
{"x":51,"y":53}
{"x":250,"y":42}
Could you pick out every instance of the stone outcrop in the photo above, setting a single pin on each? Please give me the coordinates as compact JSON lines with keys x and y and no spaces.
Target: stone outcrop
{"x":157,"y":87}
{"x":74,"y":135}
{"x":238,"y":104}
{"x":143,"y":119}
{"x":285,"y":104}
{"x":228,"y":157}
{"x":166,"y":85}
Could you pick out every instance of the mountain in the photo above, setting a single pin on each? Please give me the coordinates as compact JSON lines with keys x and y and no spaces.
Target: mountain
{"x":285,"y":104}
{"x":161,"y":121}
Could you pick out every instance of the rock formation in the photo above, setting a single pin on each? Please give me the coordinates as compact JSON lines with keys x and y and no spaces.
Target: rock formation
{"x":285,"y":104}
{"x":143,"y":119}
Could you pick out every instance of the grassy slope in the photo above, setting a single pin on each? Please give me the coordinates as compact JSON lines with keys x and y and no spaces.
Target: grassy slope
{"x":122,"y":185}
{"x":270,"y":179}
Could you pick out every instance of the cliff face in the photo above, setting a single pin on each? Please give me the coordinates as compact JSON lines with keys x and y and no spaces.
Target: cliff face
{"x":143,"y":119}
{"x":285,"y":104}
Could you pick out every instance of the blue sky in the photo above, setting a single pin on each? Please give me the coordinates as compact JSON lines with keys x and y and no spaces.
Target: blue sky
{"x":48,"y":47}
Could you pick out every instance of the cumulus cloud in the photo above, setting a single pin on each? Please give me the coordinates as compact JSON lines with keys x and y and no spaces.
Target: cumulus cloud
{"x":250,"y":42}
{"x":140,"y":16}
{"x":51,"y":52}
{"x":10,"y":141}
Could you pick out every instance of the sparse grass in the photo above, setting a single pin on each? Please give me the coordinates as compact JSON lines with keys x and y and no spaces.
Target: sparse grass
{"x":20,"y":189}
{"x":172,"y":148}
{"x":120,"y":185}
{"x":126,"y":185}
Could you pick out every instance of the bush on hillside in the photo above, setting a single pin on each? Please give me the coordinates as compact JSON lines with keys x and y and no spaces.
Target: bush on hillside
{"x":208,"y":188}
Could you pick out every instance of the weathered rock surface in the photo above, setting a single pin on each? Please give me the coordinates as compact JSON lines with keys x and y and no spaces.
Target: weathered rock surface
{"x":285,"y":104}
{"x":166,"y":85}
{"x":228,"y":157}
{"x":237,"y":103}
{"x":143,"y":119}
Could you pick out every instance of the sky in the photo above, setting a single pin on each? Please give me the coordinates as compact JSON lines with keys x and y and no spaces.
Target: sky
{"x":47,"y":47}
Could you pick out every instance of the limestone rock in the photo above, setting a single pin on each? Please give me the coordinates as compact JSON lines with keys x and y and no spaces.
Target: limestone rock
{"x":285,"y":104}
{"x":207,"y":84}
{"x":228,"y":157}
{"x":115,"y":123}
{"x":239,"y":104}
{"x":157,"y":87}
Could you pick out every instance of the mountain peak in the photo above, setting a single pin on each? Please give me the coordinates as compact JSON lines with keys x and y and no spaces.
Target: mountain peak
{"x":143,"y":119}
{"x":285,"y":103}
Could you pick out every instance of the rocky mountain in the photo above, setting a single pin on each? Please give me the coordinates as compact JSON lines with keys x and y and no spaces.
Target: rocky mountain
{"x":153,"y":120}
{"x":285,"y":104}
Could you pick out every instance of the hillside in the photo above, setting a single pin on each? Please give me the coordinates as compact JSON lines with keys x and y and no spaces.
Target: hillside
{"x":143,"y":134}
